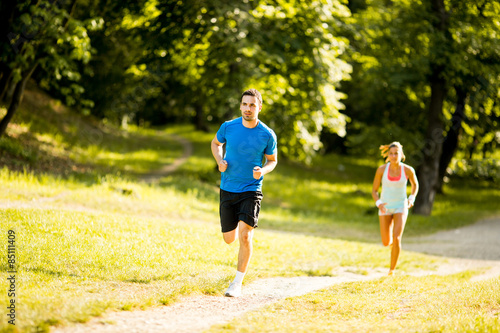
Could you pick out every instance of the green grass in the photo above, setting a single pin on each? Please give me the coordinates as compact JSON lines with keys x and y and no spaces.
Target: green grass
{"x":333,"y":198}
{"x":91,"y":237}
{"x":402,"y":304}
{"x":93,"y":261}
{"x":55,"y":140}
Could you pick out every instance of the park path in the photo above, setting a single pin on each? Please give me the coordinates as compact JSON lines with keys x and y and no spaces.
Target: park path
{"x":477,"y":241}
{"x":151,"y":177}
{"x":198,"y":313}
{"x":470,"y":247}
{"x":156,"y":175}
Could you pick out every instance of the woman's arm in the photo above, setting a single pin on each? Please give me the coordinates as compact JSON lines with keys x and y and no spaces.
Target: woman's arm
{"x":376,"y":184}
{"x":412,"y":177}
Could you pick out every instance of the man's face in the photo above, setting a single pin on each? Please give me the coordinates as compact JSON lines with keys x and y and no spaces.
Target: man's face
{"x":250,"y":108}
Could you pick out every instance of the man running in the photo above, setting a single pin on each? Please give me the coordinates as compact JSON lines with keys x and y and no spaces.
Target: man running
{"x":248,"y":141}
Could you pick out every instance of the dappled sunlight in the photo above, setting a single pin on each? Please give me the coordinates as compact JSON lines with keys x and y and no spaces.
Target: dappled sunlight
{"x":407,"y":303}
{"x":94,"y":238}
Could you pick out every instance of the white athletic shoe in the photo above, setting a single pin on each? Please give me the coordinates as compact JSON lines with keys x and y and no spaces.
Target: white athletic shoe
{"x":234,"y":290}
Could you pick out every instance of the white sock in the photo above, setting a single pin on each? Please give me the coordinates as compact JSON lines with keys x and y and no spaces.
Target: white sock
{"x":239,"y":277}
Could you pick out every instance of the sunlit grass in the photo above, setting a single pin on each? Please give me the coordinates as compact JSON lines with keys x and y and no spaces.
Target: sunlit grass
{"x":402,"y":304}
{"x":54,"y":135}
{"x":90,"y":262}
{"x":28,"y":186}
{"x":143,"y":152}
{"x":96,"y":238}
{"x":326,"y":200}
{"x":93,"y":261}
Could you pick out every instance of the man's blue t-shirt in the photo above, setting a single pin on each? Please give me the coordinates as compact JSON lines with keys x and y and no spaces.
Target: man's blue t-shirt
{"x":245,"y":149}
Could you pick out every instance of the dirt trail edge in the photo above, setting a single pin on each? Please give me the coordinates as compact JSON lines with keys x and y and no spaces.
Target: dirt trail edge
{"x":156,"y":175}
{"x":476,"y":241}
{"x":473,"y":247}
{"x":198,"y":313}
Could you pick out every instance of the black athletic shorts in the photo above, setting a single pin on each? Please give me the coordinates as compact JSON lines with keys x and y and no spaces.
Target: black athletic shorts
{"x":235,"y":207}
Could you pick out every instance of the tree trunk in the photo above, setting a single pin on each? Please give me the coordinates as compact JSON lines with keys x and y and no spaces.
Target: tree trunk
{"x":428,"y":171}
{"x":9,"y":91}
{"x":16,"y":99}
{"x":200,"y":121}
{"x":450,"y":143}
{"x":5,"y":82}
{"x":7,"y":9}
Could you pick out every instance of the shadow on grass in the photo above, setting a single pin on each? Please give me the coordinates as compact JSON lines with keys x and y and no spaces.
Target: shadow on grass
{"x":332,"y":194}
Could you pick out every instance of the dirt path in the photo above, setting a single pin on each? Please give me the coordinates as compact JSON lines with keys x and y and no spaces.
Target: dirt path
{"x":195,"y":314}
{"x":478,"y":241}
{"x":156,"y":175}
{"x":470,"y":247}
{"x":473,"y":247}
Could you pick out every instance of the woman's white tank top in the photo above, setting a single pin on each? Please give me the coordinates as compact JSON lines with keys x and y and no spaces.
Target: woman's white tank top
{"x":394,"y":191}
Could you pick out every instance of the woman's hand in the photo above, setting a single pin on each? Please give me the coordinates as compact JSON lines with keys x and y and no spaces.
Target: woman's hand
{"x":382,"y":208}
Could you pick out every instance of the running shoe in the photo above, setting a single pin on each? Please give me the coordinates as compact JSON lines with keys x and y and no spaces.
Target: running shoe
{"x":234,"y":290}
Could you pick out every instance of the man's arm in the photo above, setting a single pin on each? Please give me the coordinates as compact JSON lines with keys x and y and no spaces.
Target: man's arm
{"x":271,"y":162}
{"x":218,"y":154}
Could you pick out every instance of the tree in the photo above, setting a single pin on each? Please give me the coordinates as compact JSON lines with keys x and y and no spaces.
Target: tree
{"x":211,"y":51}
{"x":428,"y":170}
{"x":429,"y":55}
{"x":463,"y":47}
{"x":42,"y":36}
{"x":388,"y":89}
{"x":112,"y":78}
{"x":297,"y":47}
{"x":159,"y":60}
{"x":475,"y":80}
{"x":450,"y":142}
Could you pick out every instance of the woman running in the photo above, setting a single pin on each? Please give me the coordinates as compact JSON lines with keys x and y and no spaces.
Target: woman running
{"x":393,"y":204}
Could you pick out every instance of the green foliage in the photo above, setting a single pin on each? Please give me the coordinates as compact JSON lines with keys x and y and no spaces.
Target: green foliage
{"x":389,"y":54}
{"x":200,"y":56}
{"x":394,"y":50}
{"x":101,"y":241}
{"x":47,"y":34}
{"x":486,"y":169}
{"x":366,"y":140}
{"x":302,"y":72}
{"x":113,"y":79}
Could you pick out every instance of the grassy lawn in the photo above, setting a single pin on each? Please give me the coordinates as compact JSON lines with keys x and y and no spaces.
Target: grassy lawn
{"x":91,"y":237}
{"x":94,"y":248}
{"x":403,"y":304}
{"x":334,"y":198}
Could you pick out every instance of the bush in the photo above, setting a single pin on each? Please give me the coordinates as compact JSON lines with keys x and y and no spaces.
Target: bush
{"x":365,"y":140}
{"x":487,"y":169}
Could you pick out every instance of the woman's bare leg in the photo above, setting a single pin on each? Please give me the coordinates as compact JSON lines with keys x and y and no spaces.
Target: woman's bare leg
{"x":397,"y":235}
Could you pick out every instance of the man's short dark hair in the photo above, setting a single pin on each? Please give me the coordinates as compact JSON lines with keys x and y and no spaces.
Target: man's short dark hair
{"x":252,"y":92}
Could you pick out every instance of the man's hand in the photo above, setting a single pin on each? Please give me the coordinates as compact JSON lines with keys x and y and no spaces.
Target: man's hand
{"x":222,"y":165}
{"x":257,"y":172}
